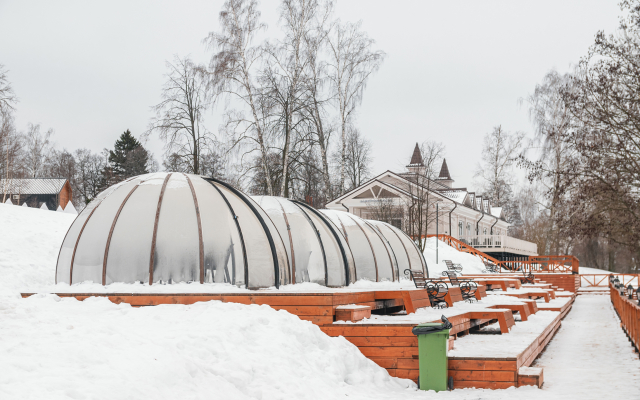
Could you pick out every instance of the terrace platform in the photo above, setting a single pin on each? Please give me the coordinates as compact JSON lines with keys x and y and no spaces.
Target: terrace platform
{"x":491,"y":343}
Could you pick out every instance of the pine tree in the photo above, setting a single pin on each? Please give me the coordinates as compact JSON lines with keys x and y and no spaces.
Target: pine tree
{"x":127,"y":159}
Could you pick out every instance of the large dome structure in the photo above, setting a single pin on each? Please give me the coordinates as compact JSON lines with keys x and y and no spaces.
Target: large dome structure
{"x":175,"y":227}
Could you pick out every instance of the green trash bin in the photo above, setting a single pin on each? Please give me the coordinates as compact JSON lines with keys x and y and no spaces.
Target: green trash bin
{"x":432,"y":353}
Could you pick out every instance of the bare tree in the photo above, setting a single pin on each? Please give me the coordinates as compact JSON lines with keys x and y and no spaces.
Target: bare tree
{"x":351,"y":63}
{"x":233,"y":68}
{"x":385,"y":209}
{"x":179,"y":116}
{"x":552,"y":122}
{"x":10,"y":142}
{"x":421,"y":200}
{"x":36,"y":150}
{"x":495,"y":173}
{"x":8,"y":98}
{"x":317,"y":95}
{"x":356,"y":159}
{"x":283,"y":77}
{"x":89,"y":167}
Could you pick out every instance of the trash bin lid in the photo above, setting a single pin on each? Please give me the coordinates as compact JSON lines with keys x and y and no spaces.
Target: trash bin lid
{"x":432,"y":327}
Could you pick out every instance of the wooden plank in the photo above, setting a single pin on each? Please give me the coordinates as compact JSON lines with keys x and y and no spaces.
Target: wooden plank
{"x":385,"y":351}
{"x":307,"y":310}
{"x":385,"y":362}
{"x":317,"y":319}
{"x":368,"y":330}
{"x":413,"y":374}
{"x":492,"y":376}
{"x":408,"y":363}
{"x":482,"y":385}
{"x":408,"y":303}
{"x":400,"y":341}
{"x":482,"y":365}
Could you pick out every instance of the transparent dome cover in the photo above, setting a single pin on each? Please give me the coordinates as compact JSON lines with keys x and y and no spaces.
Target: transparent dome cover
{"x":175,"y":227}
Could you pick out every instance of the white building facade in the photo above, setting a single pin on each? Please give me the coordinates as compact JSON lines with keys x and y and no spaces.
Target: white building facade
{"x":463,"y":214}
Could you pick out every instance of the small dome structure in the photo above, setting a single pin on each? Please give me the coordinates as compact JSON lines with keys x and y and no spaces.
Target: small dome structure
{"x":175,"y":227}
{"x":316,"y":249}
{"x":381,"y":251}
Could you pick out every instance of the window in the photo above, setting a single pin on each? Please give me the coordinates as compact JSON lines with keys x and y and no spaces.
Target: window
{"x":460,"y":229}
{"x":485,"y":231}
{"x":468,"y":228}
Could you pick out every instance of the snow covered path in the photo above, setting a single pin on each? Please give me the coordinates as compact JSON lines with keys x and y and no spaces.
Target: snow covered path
{"x":590,"y":357}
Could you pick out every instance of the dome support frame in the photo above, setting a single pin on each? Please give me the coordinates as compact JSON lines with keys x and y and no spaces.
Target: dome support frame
{"x":335,"y":235}
{"x":375,"y":261}
{"x":324,"y":255}
{"x":272,"y":246}
{"x":198,"y":219}
{"x":242,"y":245}
{"x":152,"y":256}
{"x":387,"y":247}
{"x":113,"y":226}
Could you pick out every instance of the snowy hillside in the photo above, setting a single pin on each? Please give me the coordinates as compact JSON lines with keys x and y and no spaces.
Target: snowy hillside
{"x":470,"y":263}
{"x":30,"y":239}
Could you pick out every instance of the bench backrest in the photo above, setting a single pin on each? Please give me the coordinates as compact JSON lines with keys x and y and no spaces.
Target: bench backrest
{"x":449,"y":264}
{"x":418,"y":277}
{"x":453,"y":278}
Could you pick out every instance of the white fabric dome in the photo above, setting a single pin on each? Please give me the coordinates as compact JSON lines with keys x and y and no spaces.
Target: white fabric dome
{"x":174,"y":227}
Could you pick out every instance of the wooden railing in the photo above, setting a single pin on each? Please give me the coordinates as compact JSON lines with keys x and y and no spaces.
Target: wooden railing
{"x":602,"y":280}
{"x":558,"y":264}
{"x":629,"y":313}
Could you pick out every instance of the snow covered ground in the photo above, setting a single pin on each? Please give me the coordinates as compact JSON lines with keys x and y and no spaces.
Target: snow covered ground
{"x":53,"y":348}
{"x":470,"y":263}
{"x":590,"y":356}
{"x":587,"y":270}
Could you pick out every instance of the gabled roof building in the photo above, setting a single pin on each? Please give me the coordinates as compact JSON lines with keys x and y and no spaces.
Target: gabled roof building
{"x":464,"y":215}
{"x":34,"y":192}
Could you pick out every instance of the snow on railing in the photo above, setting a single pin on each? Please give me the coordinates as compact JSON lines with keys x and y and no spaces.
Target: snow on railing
{"x":500,"y":242}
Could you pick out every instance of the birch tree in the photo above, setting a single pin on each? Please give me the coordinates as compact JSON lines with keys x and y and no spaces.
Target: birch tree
{"x":37,"y":146}
{"x":352,"y":61}
{"x":232,"y":70}
{"x":179,"y":116}
{"x":500,"y":152}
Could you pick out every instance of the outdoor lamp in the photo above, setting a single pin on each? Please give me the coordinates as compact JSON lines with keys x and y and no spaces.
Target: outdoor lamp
{"x":630,"y":292}
{"x":638,"y":295}
{"x":616,"y":281}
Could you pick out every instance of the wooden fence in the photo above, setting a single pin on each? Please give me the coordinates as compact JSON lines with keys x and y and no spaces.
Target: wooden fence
{"x":629,"y":313}
{"x":602,"y":280}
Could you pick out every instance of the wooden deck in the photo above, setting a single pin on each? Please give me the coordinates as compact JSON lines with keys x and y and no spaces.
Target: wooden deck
{"x":392,"y":345}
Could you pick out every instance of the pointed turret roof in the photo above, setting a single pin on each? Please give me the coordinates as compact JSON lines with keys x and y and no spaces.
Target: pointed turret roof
{"x":416,"y":157}
{"x":444,"y":171}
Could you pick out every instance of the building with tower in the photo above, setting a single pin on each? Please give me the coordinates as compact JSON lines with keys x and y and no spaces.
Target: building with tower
{"x":423,"y":200}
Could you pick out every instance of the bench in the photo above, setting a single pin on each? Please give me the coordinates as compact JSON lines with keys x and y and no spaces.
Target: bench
{"x":437,"y":290}
{"x":468,"y":288}
{"x":490,"y":268}
{"x":452,"y":267}
{"x":528,"y":278}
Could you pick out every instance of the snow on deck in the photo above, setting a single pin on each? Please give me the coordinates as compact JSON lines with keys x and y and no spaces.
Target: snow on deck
{"x":590,"y":356}
{"x":504,"y":346}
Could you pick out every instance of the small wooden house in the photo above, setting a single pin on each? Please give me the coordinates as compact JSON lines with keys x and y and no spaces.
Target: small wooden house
{"x":35,"y":192}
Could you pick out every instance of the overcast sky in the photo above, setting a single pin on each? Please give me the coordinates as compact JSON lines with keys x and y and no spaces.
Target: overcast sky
{"x":453,"y":70}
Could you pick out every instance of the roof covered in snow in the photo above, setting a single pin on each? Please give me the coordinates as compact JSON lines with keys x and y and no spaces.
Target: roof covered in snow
{"x":32,"y":185}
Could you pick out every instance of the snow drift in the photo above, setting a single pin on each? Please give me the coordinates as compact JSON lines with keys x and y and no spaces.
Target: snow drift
{"x":62,"y":348}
